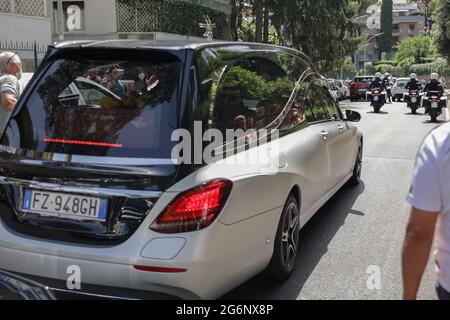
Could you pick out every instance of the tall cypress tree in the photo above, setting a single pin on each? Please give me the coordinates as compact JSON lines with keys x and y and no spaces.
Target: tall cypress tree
{"x":441,"y":12}
{"x":385,"y":43}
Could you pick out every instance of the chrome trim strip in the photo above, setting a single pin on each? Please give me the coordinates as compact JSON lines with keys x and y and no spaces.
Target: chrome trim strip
{"x":69,"y":158}
{"x":90,"y":294}
{"x":96,"y":191}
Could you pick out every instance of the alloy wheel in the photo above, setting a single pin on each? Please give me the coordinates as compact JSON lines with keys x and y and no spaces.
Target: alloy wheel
{"x":290,"y":235}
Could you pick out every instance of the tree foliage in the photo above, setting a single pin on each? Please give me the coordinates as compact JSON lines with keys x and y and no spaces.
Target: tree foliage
{"x":385,"y":44}
{"x":324,"y":30}
{"x":414,"y":50}
{"x":441,"y":13}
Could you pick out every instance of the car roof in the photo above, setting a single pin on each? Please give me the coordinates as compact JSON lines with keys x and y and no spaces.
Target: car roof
{"x":194,"y":44}
{"x":160,"y":44}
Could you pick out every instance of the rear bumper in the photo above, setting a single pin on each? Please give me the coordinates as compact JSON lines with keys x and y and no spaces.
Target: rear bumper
{"x":216,"y":260}
{"x":360,"y":93}
{"x":96,"y":292}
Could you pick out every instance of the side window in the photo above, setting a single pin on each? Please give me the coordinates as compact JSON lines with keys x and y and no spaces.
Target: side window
{"x":331,"y":111}
{"x":250,"y":90}
{"x":252,"y":93}
{"x":314,"y":109}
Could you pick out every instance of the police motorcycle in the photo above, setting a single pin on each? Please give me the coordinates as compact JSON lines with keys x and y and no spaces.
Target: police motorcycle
{"x":377,"y":94}
{"x":434,"y":101}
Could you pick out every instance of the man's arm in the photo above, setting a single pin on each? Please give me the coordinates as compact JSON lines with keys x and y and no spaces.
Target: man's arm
{"x":416,"y":250}
{"x":8,"y":101}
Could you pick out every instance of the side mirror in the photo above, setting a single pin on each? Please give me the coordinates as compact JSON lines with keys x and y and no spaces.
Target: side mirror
{"x":352,"y":116}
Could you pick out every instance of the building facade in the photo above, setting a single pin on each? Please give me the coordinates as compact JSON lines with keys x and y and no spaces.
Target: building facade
{"x":137,"y":19}
{"x":29,"y":26}
{"x":408,"y":20}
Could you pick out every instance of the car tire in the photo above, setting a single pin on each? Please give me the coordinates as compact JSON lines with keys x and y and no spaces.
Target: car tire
{"x":357,"y":169}
{"x":286,"y":242}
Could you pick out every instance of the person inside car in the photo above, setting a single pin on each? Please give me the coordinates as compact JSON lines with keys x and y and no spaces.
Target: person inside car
{"x":93,"y":76}
{"x":140,"y":83}
{"x":115,"y":84}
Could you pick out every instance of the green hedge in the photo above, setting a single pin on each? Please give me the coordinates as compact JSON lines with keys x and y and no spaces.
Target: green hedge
{"x":440,"y":66}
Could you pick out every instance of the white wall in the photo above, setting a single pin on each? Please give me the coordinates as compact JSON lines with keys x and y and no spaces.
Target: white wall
{"x":25,"y":29}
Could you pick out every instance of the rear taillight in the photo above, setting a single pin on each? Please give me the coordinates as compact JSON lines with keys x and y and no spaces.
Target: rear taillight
{"x":434,"y":97}
{"x":353,"y":85}
{"x":194,"y":209}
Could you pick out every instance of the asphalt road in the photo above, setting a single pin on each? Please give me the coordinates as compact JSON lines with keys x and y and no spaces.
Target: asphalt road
{"x":358,"y":234}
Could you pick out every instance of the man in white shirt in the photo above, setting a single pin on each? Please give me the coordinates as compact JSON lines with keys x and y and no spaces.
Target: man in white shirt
{"x":430,"y":215}
{"x":10,"y":74}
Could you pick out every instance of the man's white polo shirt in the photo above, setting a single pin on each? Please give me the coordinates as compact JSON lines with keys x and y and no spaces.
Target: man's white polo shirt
{"x":430,"y":191}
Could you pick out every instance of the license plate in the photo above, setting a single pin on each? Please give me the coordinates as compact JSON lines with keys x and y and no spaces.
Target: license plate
{"x":65,"y":205}
{"x":434,"y":104}
{"x":375,"y":98}
{"x":414,"y":99}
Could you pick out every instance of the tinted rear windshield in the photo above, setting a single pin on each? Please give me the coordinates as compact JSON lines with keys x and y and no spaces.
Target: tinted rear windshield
{"x":113,"y":108}
{"x":362,"y":79}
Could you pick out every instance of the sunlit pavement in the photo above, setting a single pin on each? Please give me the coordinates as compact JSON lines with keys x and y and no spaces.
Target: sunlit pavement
{"x":361,"y":229}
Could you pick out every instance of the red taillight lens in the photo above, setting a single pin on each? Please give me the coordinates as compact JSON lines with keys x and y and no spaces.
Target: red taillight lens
{"x":194,"y":209}
{"x":353,"y":85}
{"x":434,"y":97}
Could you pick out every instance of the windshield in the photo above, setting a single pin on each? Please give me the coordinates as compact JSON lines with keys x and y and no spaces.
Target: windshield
{"x":101,"y":108}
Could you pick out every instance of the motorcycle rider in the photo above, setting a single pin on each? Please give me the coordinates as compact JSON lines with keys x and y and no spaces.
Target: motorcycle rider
{"x":433,"y":85}
{"x":413,"y":83}
{"x":377,"y":82}
{"x":387,"y":85}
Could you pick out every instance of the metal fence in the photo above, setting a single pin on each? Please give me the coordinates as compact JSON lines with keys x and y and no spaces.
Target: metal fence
{"x":36,"y":8}
{"x":28,"y":51}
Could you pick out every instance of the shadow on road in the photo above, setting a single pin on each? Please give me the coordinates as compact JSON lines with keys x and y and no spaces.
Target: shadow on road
{"x":434,"y":122}
{"x":314,"y":240}
{"x":381,"y":112}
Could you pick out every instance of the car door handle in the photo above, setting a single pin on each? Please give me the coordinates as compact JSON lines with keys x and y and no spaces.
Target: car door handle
{"x":341,"y":128}
{"x":324,"y":134}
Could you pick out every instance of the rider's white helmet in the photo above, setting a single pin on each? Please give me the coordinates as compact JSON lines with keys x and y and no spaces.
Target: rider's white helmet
{"x":413,"y":76}
{"x":378,"y":75}
{"x":387,"y":75}
{"x":434,"y":76}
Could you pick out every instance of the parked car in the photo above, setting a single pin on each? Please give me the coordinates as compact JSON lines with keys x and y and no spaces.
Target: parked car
{"x":343,"y":89}
{"x":333,"y":89}
{"x":359,"y":88}
{"x":103,"y":189}
{"x":399,"y":89}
